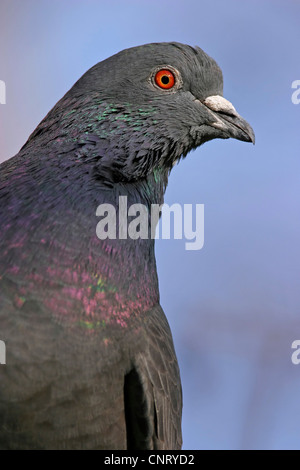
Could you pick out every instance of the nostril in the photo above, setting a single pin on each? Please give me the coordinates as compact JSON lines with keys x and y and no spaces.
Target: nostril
{"x":228,"y":113}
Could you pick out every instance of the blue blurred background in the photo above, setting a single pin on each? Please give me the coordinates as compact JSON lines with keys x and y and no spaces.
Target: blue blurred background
{"x":234,"y":305}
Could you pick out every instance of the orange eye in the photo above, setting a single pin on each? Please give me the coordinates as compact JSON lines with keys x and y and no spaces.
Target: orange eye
{"x":165,"y":79}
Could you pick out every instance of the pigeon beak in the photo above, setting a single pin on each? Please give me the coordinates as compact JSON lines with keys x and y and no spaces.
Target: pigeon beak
{"x":228,"y":120}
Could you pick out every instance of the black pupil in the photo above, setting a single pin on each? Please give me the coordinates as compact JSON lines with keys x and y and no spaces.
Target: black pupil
{"x":165,"y":79}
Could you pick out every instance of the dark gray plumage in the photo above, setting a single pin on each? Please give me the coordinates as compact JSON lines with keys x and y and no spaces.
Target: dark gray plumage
{"x":90,"y":356}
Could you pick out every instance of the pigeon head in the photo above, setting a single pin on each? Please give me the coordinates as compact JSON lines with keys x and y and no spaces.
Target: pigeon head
{"x":146,"y":107}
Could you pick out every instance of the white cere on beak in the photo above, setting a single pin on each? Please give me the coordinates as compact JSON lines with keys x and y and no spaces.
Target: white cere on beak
{"x":219,"y":104}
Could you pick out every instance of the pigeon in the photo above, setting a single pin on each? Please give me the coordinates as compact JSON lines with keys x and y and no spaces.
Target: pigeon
{"x":90,"y":359}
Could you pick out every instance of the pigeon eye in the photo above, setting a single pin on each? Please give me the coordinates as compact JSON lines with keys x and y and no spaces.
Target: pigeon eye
{"x":165,"y":79}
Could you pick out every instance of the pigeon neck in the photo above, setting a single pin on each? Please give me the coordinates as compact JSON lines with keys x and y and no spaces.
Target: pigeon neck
{"x":84,"y":281}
